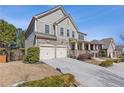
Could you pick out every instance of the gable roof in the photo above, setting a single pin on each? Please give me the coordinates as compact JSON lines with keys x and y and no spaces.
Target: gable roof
{"x":95,"y":42}
{"x":65,"y":17}
{"x":44,"y":14}
{"x":61,"y":19}
{"x":106,"y":42}
{"x":37,"y":16}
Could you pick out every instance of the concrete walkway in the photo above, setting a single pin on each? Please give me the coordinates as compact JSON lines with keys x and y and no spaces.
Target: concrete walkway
{"x":88,"y":74}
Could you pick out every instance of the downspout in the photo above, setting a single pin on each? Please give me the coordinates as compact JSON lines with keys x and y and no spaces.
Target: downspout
{"x":35,"y":30}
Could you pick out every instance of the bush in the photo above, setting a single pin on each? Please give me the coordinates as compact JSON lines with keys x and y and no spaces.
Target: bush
{"x":106,"y":63}
{"x":102,"y":53}
{"x":121,"y":59}
{"x":33,"y":54}
{"x":116,"y":61}
{"x":82,"y":57}
{"x":64,"y":80}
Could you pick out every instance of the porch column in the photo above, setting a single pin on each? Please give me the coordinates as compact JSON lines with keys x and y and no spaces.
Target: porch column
{"x":94,"y":47}
{"x":97,"y":47}
{"x":82,"y":45}
{"x":89,"y":47}
{"x":76,"y":49}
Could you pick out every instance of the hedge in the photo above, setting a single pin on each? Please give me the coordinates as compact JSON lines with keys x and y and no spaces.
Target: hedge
{"x":121,"y":59}
{"x":106,"y":63}
{"x":32,"y":54}
{"x":64,"y":80}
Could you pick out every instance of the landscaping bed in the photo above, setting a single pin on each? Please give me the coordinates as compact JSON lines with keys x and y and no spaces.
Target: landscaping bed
{"x":64,"y":80}
{"x":106,"y":63}
{"x":13,"y":72}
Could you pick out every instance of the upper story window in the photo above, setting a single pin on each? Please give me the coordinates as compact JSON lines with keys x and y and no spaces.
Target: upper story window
{"x":73,"y":34}
{"x":81,"y":36}
{"x":68,"y":34}
{"x":47,"y":29}
{"x":61,"y":31}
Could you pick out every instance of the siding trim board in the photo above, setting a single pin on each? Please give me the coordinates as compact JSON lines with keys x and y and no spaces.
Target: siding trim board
{"x":45,"y":36}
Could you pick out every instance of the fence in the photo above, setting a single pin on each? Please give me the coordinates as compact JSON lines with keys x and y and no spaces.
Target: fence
{"x":2,"y":58}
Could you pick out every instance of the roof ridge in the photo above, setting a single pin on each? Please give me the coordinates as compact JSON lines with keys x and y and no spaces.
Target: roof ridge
{"x":50,"y":10}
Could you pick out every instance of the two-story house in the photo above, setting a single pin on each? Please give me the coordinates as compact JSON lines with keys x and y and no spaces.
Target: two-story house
{"x":57,"y":36}
{"x":55,"y":32}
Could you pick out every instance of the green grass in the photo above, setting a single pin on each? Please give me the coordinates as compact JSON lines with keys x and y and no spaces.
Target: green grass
{"x":64,"y":80}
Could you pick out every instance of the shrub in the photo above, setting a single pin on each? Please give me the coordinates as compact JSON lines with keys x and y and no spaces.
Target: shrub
{"x":102,"y":53}
{"x":106,"y":63}
{"x":69,"y":79}
{"x":84,"y":56}
{"x":121,"y":59}
{"x":32,"y":54}
{"x":116,"y":61}
{"x":64,"y":80}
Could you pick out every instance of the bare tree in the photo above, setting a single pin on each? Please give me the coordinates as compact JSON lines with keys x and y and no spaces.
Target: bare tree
{"x":122,"y":36}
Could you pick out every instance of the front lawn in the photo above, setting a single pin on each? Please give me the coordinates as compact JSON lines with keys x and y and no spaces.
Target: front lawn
{"x":17,"y":71}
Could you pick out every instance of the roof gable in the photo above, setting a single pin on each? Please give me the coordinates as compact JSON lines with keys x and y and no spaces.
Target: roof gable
{"x":50,"y":11}
{"x":106,"y":42}
{"x":64,"y":18}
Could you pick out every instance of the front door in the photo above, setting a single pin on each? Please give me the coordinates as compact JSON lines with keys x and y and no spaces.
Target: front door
{"x":72,"y":46}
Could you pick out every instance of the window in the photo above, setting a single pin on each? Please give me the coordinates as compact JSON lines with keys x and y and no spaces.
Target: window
{"x":81,"y":36}
{"x":67,"y":32}
{"x":61,"y":31}
{"x":73,"y":34}
{"x":46,"y":28}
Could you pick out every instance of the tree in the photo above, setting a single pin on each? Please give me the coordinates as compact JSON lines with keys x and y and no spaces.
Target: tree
{"x":20,"y":34}
{"x":122,"y":36}
{"x":7,"y":33}
{"x":10,"y":35}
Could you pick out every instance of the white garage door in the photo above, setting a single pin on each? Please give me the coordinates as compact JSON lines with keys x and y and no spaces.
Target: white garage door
{"x":61,"y":51}
{"x":47,"y":52}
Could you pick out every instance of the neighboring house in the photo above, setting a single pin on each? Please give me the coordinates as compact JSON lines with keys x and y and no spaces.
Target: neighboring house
{"x":57,"y":36}
{"x":108,"y":45}
{"x":96,"y":46}
{"x":120,"y":50}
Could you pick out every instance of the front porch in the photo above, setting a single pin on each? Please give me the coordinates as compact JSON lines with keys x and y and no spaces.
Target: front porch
{"x":82,"y":47}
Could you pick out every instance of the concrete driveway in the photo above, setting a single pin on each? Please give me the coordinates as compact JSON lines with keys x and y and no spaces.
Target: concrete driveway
{"x":88,"y":74}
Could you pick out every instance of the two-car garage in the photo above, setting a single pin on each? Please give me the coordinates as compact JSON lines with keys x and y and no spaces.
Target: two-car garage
{"x":48,"y":51}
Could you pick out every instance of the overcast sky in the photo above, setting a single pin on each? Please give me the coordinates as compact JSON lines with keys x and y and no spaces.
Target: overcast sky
{"x":96,"y":21}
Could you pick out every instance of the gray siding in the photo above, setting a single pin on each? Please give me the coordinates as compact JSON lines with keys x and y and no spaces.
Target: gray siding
{"x":66,"y":24}
{"x":49,"y":20}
